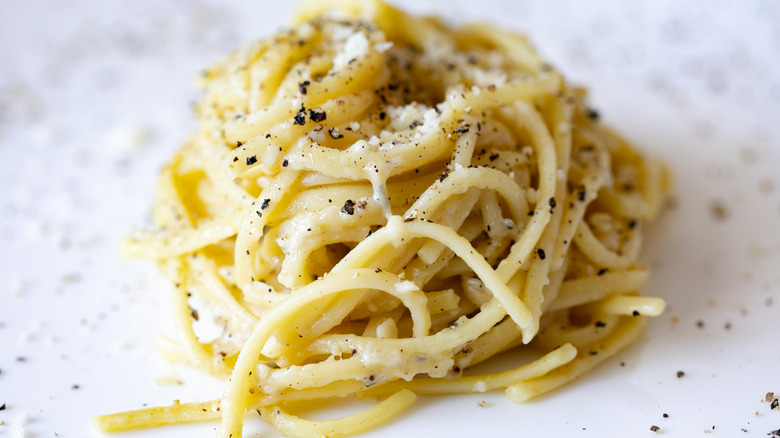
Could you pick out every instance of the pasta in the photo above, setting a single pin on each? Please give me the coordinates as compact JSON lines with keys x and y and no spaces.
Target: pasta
{"x":374,"y":203}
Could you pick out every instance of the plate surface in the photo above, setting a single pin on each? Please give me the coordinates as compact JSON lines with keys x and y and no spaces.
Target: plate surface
{"x":95,"y":96}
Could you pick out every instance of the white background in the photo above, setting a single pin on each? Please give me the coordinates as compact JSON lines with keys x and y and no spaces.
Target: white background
{"x":95,"y":96}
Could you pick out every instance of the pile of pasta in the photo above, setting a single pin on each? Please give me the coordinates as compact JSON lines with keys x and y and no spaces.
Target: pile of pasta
{"x":374,"y":203}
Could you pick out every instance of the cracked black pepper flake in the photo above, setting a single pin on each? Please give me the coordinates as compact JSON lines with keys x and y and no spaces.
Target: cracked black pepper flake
{"x":665,"y":415}
{"x":302,"y":86}
{"x":774,"y":432}
{"x":300,"y":118}
{"x":259,"y":214}
{"x":2,"y":407}
{"x":632,"y":224}
{"x":317,"y":115}
{"x":266,"y":201}
{"x":334,"y":133}
{"x":382,"y":115}
{"x":552,"y":204}
{"x":680,"y":374}
{"x":462,"y":129}
{"x":592,"y":114}
{"x":238,"y":144}
{"x":700,"y":324}
{"x":540,"y":253}
{"x":251,"y":160}
{"x":635,"y":313}
{"x":602,"y":271}
{"x":75,"y":386}
{"x":235,"y":159}
{"x":349,"y":207}
{"x":442,"y":176}
{"x":719,"y":210}
{"x":601,"y":324}
{"x":493,"y":156}
{"x":655,"y":428}
{"x":285,"y":163}
{"x":775,"y":404}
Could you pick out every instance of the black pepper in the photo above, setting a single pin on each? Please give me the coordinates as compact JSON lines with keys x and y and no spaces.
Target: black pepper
{"x":680,"y":374}
{"x":349,"y":207}
{"x":302,"y":86}
{"x":285,"y":163}
{"x":655,"y":428}
{"x":442,"y":176}
{"x":540,"y":253}
{"x":300,"y":118}
{"x":317,"y":115}
{"x":334,"y":133}
{"x":251,"y":160}
{"x":602,"y":271}
{"x":266,"y":201}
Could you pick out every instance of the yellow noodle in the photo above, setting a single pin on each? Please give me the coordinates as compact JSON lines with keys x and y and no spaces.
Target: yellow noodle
{"x":377,"y":202}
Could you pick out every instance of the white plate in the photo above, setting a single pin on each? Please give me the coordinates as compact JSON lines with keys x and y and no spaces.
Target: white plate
{"x":94,"y":97}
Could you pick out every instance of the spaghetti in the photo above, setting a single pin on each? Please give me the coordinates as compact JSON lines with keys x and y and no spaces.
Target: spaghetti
{"x":374,"y":203}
